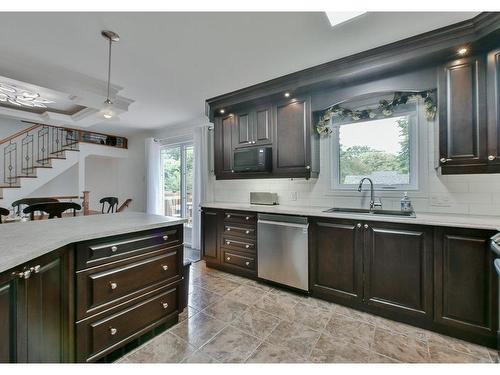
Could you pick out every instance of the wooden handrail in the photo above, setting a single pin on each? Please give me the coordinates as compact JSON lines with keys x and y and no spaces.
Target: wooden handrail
{"x":19,"y":133}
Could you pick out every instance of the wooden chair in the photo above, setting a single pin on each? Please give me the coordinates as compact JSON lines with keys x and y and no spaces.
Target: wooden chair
{"x":111,"y":201}
{"x":53,"y":209}
{"x":3,"y":212}
{"x":29,"y":201}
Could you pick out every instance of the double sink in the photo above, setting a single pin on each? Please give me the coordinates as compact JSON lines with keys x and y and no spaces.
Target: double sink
{"x":366,"y":211}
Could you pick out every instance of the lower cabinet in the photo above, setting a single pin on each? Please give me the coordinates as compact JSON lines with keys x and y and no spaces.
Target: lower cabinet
{"x":37,"y":310}
{"x":465,"y":282}
{"x":209,"y":238}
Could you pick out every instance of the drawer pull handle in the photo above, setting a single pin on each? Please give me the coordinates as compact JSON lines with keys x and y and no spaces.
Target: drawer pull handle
{"x":114,"y":248}
{"x":165,"y":268}
{"x":113,"y":331}
{"x":247,"y":232}
{"x":228,"y":242}
{"x":113,"y":285}
{"x":165,"y":305}
{"x":366,"y":226}
{"x":247,"y":263}
{"x":228,"y":258}
{"x":358,"y":225}
{"x":247,"y":218}
{"x":247,"y":246}
{"x":228,"y":216}
{"x":165,"y":238}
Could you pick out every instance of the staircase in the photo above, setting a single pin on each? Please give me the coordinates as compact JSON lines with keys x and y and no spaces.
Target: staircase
{"x":27,"y":152}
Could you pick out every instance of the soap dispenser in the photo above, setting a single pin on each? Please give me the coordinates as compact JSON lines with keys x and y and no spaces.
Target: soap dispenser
{"x":406,"y":203}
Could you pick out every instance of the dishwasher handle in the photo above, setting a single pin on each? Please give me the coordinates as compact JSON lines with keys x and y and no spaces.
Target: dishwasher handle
{"x":497,"y":265}
{"x":283,"y":224}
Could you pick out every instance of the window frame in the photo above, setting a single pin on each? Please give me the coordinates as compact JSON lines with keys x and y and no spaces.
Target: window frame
{"x":414,"y":121}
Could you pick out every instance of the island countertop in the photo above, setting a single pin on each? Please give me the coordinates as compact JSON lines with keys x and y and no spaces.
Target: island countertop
{"x":22,"y":242}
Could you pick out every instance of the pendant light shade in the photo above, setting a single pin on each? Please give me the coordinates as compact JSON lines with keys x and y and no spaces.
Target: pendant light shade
{"x":108,"y":111}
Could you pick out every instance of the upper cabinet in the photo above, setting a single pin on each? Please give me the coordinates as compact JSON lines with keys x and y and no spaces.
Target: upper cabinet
{"x":469,"y":141}
{"x":283,"y":125}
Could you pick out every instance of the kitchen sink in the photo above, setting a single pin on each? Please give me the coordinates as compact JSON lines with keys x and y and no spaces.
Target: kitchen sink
{"x":366,"y":211}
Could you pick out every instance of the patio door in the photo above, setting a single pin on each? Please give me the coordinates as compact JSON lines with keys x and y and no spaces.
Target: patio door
{"x":177,"y":165}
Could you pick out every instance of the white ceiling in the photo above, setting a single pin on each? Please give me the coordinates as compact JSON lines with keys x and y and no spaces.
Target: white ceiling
{"x":169,"y":63}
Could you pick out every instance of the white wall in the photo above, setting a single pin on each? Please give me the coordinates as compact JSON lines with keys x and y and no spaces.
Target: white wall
{"x":64,"y":184}
{"x":461,"y":194}
{"x":10,"y":126}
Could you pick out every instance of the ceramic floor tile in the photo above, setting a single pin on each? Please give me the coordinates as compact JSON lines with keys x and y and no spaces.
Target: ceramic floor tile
{"x":164,"y":348}
{"x":457,"y":345}
{"x":200,"y":298}
{"x":444,"y":354}
{"x":270,"y":353}
{"x":279,"y":305}
{"x":231,"y":345}
{"x":217,"y":284}
{"x":198,"y":330}
{"x":246,"y":294}
{"x":313,"y":317}
{"x":199,"y":357}
{"x":295,"y":337}
{"x":400,"y":347}
{"x":353,"y":331}
{"x":188,"y":313}
{"x":226,"y":309}
{"x":379,"y":358}
{"x":403,"y":329}
{"x":355,"y":314}
{"x":330,"y":350}
{"x":494,"y":355}
{"x":259,"y":285}
{"x":256,"y":322}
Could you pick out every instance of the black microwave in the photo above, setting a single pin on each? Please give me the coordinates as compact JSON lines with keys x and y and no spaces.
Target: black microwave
{"x":254,"y":159}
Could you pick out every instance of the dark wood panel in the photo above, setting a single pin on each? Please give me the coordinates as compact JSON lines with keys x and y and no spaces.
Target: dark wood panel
{"x":7,"y":322}
{"x":243,"y":129}
{"x":465,"y":291}
{"x":462,"y":112}
{"x":249,"y":218}
{"x":262,"y":128}
{"x":240,"y":260}
{"x":398,"y":268}
{"x":336,"y":260}
{"x":493,"y":105}
{"x":209,"y":237}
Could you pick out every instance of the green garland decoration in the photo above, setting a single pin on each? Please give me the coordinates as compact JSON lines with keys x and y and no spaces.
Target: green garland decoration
{"x":385,"y":108}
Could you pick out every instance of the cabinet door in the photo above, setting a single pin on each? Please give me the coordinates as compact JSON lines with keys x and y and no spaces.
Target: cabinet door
{"x":465,"y":281}
{"x":46,"y":305}
{"x":8,"y":330}
{"x":223,"y":152}
{"x":336,"y":260}
{"x":292,"y":121}
{"x":243,"y":129}
{"x":462,"y":115}
{"x":398,"y":269}
{"x":209,"y":236}
{"x":493,"y":103}
{"x":262,"y":128}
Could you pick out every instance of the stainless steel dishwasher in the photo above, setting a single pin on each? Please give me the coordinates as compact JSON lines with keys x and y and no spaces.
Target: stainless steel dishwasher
{"x":282,"y":249}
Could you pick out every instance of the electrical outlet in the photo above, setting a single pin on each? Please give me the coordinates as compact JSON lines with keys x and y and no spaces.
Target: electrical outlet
{"x":293,"y":195}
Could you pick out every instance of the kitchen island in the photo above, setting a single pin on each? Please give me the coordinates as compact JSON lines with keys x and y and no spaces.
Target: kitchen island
{"x":87,"y":288}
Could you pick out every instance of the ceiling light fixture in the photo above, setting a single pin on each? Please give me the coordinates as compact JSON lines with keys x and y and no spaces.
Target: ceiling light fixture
{"x":111,"y":36}
{"x":287,"y":94}
{"x":21,"y":97}
{"x":462,"y":51}
{"x":222,"y":110}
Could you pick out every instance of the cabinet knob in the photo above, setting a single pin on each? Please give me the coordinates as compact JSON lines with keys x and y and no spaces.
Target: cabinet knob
{"x":165,"y":238}
{"x":358,"y":225}
{"x":24,"y":274}
{"x":247,"y":263}
{"x":228,"y":258}
{"x":308,"y":167}
{"x":228,"y":216}
{"x":247,"y":218}
{"x":247,"y":246}
{"x":165,"y":268}
{"x":366,"y":226}
{"x":35,"y":269}
{"x":247,"y":232}
{"x":165,"y":305}
{"x":491,"y":157}
{"x":114,"y":248}
{"x":113,"y":285}
{"x":228,"y":242}
{"x":228,"y":229}
{"x":113,"y":331}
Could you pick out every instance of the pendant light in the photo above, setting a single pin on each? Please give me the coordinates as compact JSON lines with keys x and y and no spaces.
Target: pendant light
{"x":107,"y":110}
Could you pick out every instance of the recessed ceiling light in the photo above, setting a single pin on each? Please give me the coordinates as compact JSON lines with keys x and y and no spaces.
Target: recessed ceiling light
{"x":462,"y":51}
{"x":222,"y":110}
{"x":336,"y":18}
{"x":287,"y":94}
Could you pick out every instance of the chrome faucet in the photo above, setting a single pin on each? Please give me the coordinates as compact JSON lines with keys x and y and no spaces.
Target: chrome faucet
{"x":373,"y":204}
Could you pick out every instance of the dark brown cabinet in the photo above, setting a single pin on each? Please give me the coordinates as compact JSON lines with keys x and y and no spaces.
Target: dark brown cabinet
{"x":223,"y":140}
{"x":493,"y":104}
{"x":253,"y":127}
{"x":465,"y":282}
{"x":210,"y":236}
{"x":336,"y":263}
{"x":34,"y":302}
{"x":398,"y":268}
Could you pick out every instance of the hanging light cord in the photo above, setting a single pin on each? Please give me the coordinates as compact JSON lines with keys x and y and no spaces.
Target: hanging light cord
{"x":109,"y":69}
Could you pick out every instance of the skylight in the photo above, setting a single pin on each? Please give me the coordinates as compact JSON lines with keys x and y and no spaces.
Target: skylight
{"x":336,"y":18}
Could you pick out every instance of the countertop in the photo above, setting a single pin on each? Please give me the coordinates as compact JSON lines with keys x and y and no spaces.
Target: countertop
{"x":22,"y":242}
{"x":423,"y":218}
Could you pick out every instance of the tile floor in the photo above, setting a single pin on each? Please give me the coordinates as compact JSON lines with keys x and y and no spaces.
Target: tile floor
{"x":233,"y":319}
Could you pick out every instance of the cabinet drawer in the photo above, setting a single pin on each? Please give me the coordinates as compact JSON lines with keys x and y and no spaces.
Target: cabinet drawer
{"x":239,"y":230}
{"x":240,"y":244}
{"x":108,"y":249}
{"x":98,"y":337}
{"x":239,"y":260}
{"x":239,"y":217}
{"x":103,"y":286}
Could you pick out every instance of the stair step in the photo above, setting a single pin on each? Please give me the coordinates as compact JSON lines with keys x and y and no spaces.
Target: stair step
{"x":10,"y":186}
{"x":36,"y":166}
{"x":24,"y":176}
{"x":69,"y":149}
{"x":50,"y":158}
